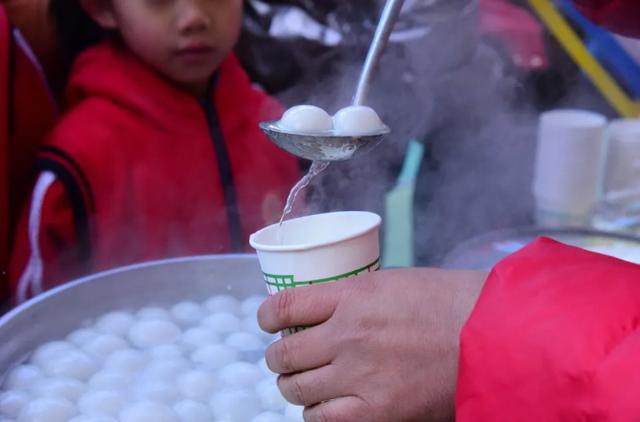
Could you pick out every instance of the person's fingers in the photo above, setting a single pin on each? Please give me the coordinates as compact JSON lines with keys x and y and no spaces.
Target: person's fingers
{"x":302,"y":351}
{"x":343,"y":409}
{"x":311,"y":387}
{"x":301,"y":306}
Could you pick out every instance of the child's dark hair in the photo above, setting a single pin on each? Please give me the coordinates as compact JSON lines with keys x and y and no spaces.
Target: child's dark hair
{"x":75,"y":30}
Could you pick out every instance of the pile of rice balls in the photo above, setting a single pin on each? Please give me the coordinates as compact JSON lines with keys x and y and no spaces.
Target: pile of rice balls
{"x":195,"y":362}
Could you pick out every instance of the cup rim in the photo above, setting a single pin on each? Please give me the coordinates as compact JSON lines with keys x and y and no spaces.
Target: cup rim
{"x":573,"y":118}
{"x":376,"y":222}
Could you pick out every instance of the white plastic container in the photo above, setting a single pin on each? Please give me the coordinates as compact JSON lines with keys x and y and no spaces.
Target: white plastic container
{"x":568,"y":166}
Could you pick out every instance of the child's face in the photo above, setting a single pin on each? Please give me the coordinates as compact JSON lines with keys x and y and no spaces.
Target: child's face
{"x":186,"y":40}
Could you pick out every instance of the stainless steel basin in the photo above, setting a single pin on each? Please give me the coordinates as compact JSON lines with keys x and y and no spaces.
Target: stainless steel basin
{"x":53,"y":315}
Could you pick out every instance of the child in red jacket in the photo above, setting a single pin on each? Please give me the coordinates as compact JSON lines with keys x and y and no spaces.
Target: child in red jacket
{"x":159,"y":153}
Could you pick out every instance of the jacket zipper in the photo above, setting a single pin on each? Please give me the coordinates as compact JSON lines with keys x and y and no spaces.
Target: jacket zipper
{"x":226,"y":174}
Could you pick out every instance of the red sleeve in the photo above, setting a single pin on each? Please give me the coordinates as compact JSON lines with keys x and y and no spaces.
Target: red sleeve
{"x":554,"y":337}
{"x":56,"y":258}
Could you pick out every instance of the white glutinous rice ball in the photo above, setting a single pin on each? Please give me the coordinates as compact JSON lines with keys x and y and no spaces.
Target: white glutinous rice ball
{"x":306,"y":119}
{"x":199,"y":337}
{"x":240,"y":374}
{"x":97,"y":403}
{"x":245,"y":342}
{"x":235,"y":405}
{"x":110,"y":380}
{"x":165,"y":369}
{"x":87,"y":418}
{"x":294,"y":413}
{"x":23,"y":377}
{"x":192,"y":411}
{"x":357,"y":120}
{"x":197,"y":385}
{"x":270,"y":396}
{"x":116,"y":323}
{"x":223,"y":303}
{"x":187,"y":313}
{"x":72,"y":365}
{"x":47,"y":409}
{"x":214,"y":357}
{"x":166,"y":351}
{"x":153,"y":313}
{"x":163,"y":391}
{"x":222,"y":322}
{"x":153,"y":332}
{"x":82,"y":336}
{"x":12,"y":402}
{"x":104,"y":345}
{"x":269,"y":417}
{"x":148,"y":411}
{"x":66,"y":388}
{"x":50,"y":351}
{"x":126,"y":360}
{"x":251,"y":325}
{"x":264,"y":368}
{"x":250,"y":306}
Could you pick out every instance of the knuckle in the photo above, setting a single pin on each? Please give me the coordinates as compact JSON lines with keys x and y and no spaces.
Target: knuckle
{"x":318,"y":414}
{"x":272,"y":356}
{"x":368,"y":325}
{"x":298,"y":391}
{"x":325,"y":413}
{"x":286,"y":356}
{"x":357,"y":339}
{"x":291,"y":389}
{"x":284,"y":302}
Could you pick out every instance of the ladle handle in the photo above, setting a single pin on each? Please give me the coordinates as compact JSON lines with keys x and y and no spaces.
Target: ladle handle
{"x":388,"y":20}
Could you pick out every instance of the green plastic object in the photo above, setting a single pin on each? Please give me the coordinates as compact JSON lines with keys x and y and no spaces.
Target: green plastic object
{"x":398,"y":232}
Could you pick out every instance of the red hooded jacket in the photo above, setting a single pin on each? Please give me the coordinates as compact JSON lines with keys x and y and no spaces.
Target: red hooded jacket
{"x":139,"y":170}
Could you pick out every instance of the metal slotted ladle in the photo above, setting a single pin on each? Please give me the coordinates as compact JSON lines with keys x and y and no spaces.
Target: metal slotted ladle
{"x":331,"y":147}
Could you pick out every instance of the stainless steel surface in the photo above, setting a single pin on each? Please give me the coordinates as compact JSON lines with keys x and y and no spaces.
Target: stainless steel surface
{"x":328,"y":147}
{"x":54,"y":314}
{"x":321,"y":148}
{"x":387,"y":21}
{"x":485,"y":251}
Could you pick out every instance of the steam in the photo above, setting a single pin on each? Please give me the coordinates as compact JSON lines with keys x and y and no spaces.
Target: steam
{"x":444,"y":87}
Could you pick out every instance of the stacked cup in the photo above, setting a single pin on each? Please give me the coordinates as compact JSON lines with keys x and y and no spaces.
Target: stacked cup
{"x":568,"y":165}
{"x":622,"y":176}
{"x":619,"y":208}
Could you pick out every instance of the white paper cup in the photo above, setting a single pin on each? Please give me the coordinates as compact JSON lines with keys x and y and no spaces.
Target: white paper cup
{"x":318,"y":249}
{"x":569,"y":159}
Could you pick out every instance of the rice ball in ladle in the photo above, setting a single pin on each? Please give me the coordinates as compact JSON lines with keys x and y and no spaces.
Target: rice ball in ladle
{"x":306,"y":119}
{"x":357,"y":121}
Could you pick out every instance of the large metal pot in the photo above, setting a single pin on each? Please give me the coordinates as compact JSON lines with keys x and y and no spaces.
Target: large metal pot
{"x":54,"y":314}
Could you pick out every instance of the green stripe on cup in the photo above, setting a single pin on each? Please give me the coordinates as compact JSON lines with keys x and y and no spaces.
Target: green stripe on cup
{"x":277,"y":283}
{"x":281,"y":282}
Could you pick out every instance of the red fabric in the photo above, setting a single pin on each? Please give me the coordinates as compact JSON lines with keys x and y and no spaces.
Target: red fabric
{"x":622,"y":16}
{"x":554,"y":337}
{"x":27,"y":113}
{"x":5,"y":42}
{"x":514,"y":28}
{"x":141,"y":155}
{"x":33,"y":116}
